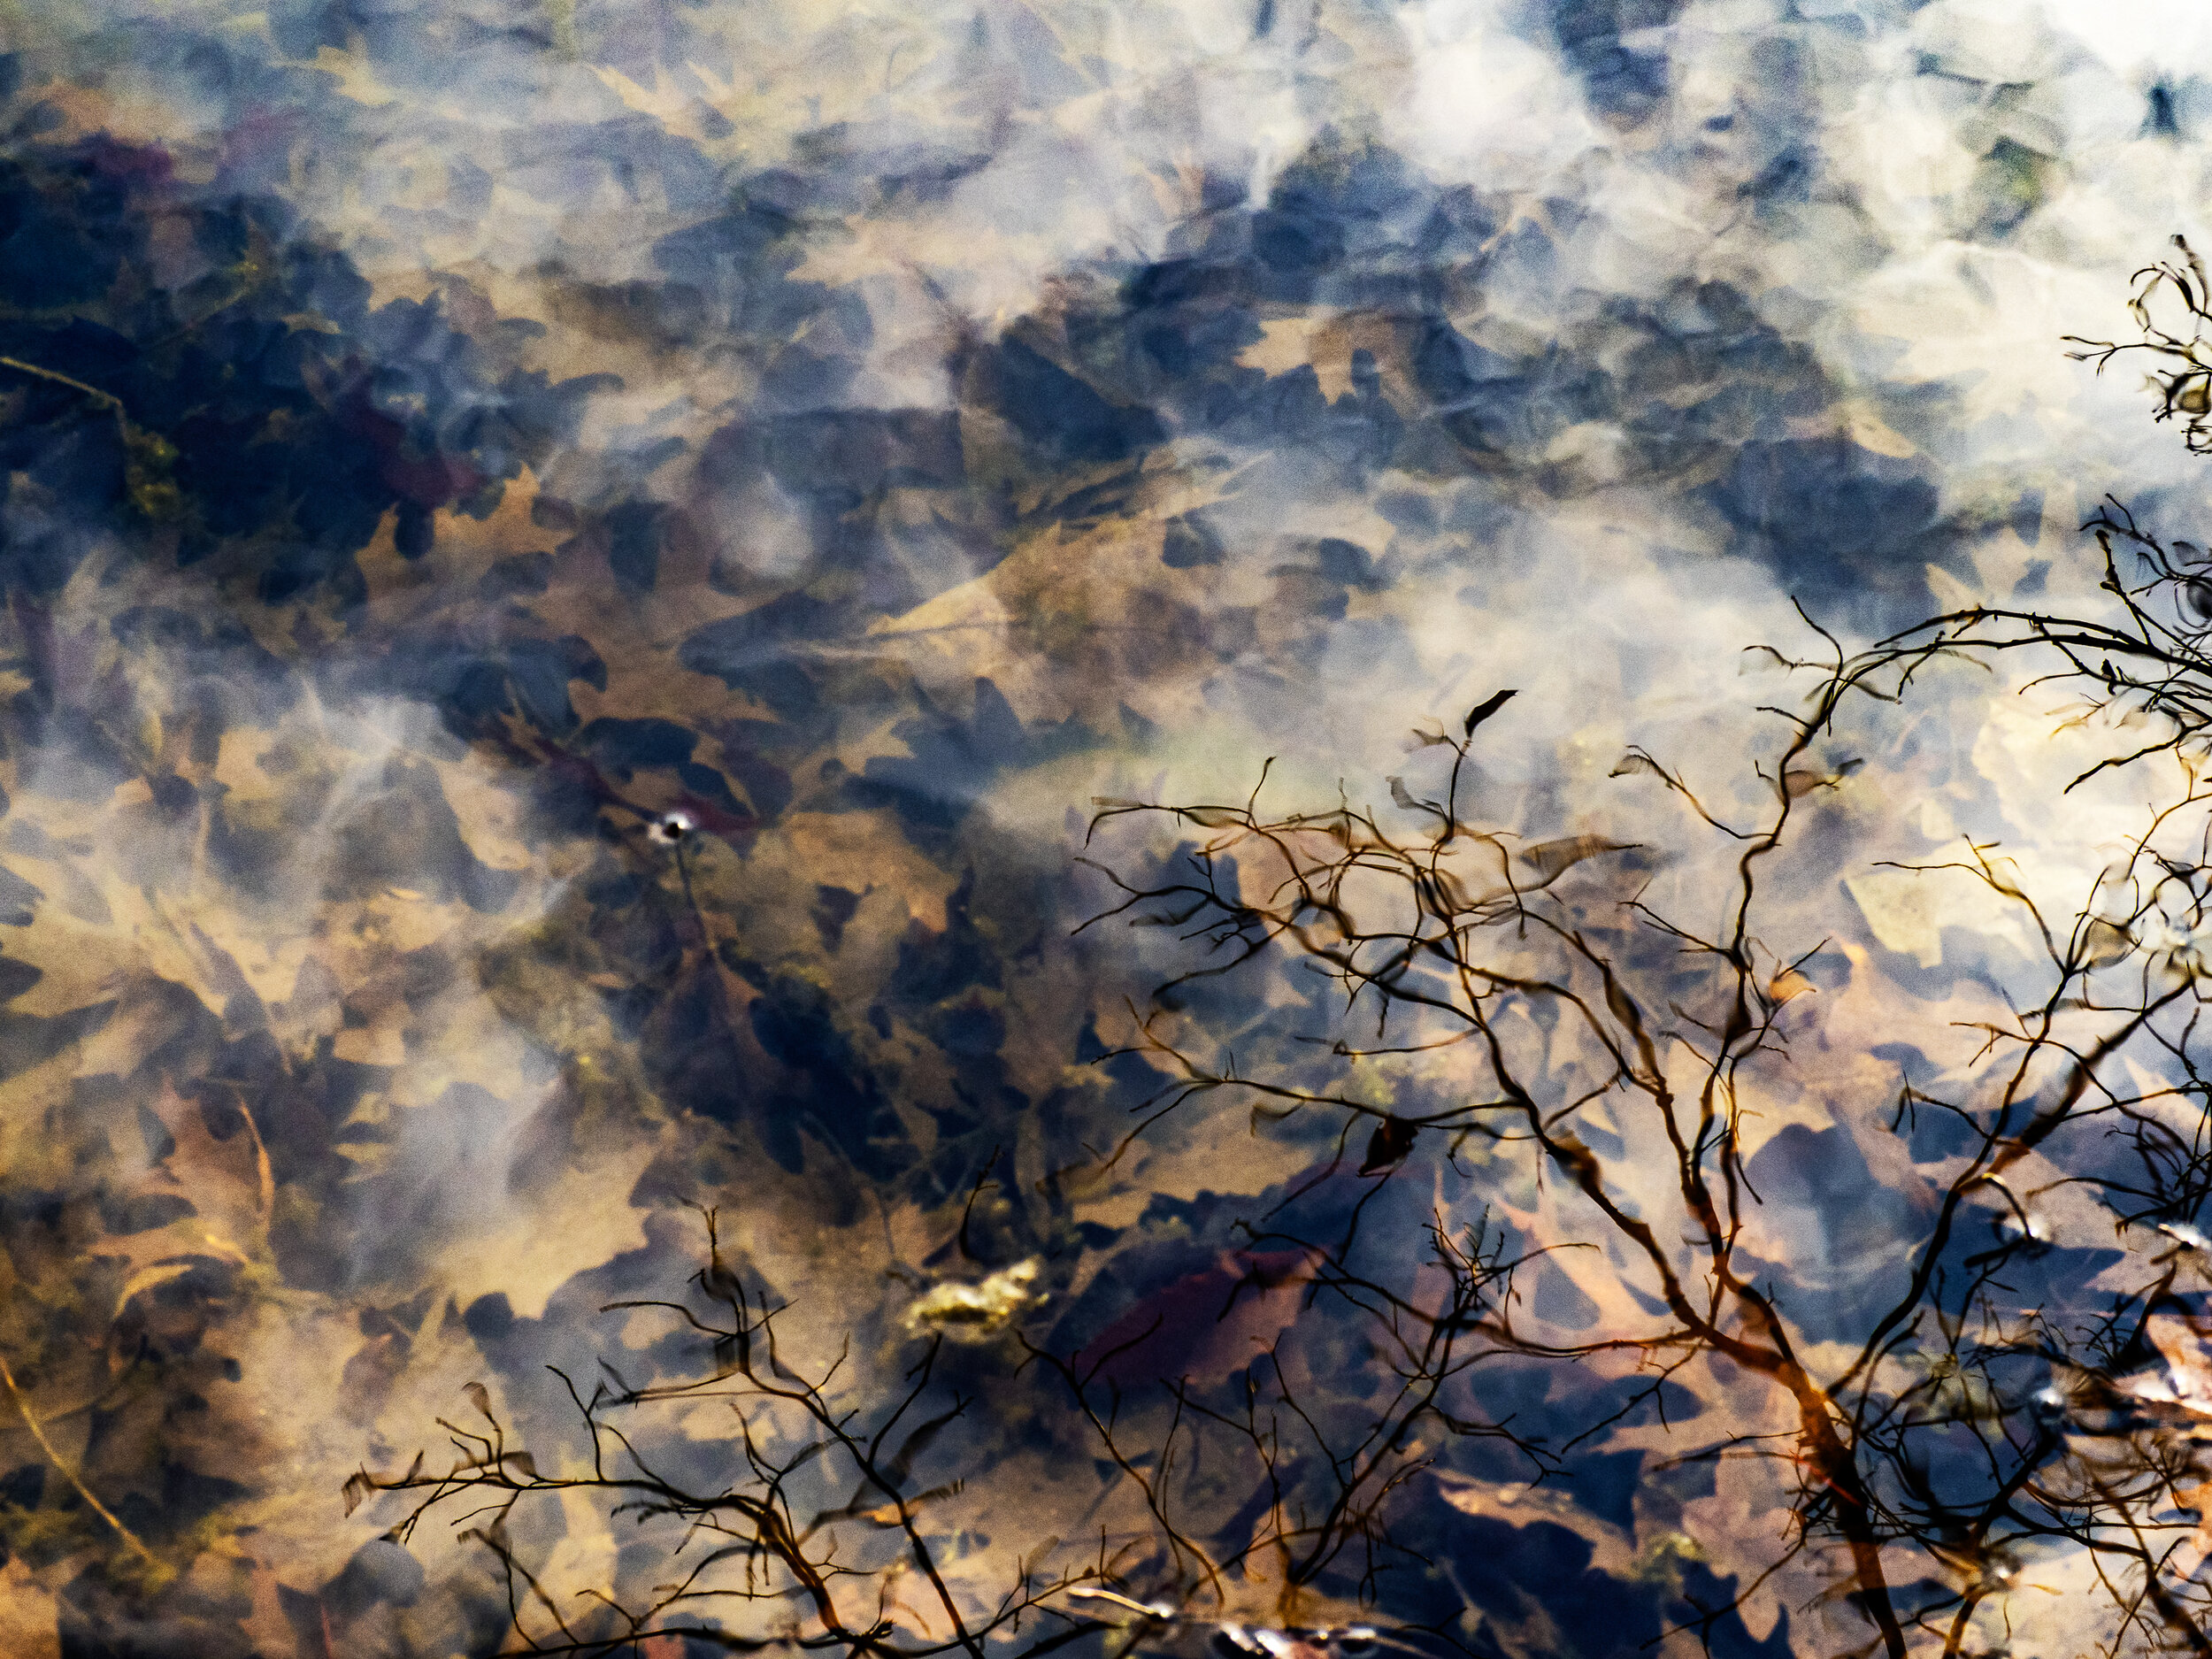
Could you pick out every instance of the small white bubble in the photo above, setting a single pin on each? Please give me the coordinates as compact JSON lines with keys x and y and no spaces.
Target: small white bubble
{"x":2187,"y":1236}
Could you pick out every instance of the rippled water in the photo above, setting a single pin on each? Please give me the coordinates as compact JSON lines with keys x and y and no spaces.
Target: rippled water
{"x":578,"y":574}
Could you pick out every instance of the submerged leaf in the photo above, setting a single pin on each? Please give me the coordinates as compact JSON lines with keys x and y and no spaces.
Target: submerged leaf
{"x":975,"y":1313}
{"x":2186,"y":1381}
{"x":153,"y":1278}
{"x":897,"y":1514}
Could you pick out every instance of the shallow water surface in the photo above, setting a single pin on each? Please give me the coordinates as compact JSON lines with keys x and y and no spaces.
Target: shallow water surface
{"x":596,"y":594}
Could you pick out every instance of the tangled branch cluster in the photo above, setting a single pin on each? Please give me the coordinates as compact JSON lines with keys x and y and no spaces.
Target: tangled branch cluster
{"x":2085,"y":1428}
{"x":2182,"y":376}
{"x":1598,"y":1061}
{"x":779,"y":1533}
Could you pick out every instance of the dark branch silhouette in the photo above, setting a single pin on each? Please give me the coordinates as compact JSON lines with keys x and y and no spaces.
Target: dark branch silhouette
{"x":1596,"y":1060}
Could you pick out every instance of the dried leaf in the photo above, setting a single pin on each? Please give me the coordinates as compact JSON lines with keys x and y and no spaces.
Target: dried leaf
{"x":1804,"y":780}
{"x":918,"y":1442}
{"x":1553,"y":859}
{"x":1636,"y":760}
{"x":481,"y":1397}
{"x":1487,"y":707}
{"x":2104,"y":944}
{"x":1787,"y":984}
{"x":1387,"y":1146}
